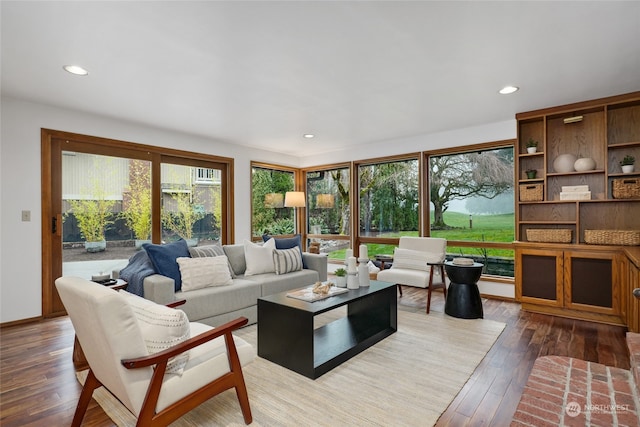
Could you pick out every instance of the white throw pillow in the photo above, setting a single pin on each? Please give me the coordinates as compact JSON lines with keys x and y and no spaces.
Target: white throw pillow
{"x":210,"y":250}
{"x":259,"y":258}
{"x":198,"y":273}
{"x":414,"y":260}
{"x":161,"y":328}
{"x":287,"y":260}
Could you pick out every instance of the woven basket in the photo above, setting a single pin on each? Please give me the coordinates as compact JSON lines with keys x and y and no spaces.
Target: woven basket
{"x":531,"y":192}
{"x":626,"y":188}
{"x":549,"y":235}
{"x":612,"y":237}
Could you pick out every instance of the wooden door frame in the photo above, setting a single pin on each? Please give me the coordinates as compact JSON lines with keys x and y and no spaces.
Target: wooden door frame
{"x":51,"y":184}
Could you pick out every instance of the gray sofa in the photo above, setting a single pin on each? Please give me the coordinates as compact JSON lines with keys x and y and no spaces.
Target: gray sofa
{"x":219,"y":304}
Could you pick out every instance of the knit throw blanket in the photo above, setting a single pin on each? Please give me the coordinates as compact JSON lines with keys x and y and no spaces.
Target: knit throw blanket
{"x":139,"y":267}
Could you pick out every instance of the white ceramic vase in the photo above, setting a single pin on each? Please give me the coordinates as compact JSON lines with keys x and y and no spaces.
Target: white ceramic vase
{"x":532,"y":150}
{"x":564,"y":163}
{"x":627,"y":168}
{"x":352,"y":281}
{"x":584,"y":164}
{"x":363,"y":273}
{"x":341,"y":281}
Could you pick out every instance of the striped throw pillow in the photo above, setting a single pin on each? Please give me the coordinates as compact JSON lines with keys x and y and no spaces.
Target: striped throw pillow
{"x":287,"y":260}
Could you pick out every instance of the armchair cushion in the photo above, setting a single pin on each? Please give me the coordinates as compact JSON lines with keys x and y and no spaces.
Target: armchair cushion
{"x":414,"y":260}
{"x":198,"y":273}
{"x":163,"y":258}
{"x":161,"y":327}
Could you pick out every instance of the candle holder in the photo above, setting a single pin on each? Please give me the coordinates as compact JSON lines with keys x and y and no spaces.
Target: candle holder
{"x":363,"y":272}
{"x":352,"y":280}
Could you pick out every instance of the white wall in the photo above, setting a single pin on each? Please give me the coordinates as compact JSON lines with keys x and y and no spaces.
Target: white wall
{"x":20,"y":248}
{"x":21,"y":121}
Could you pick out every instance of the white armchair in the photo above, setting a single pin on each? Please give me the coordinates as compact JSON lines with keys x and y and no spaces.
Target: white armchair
{"x":157,"y":377}
{"x":418,"y":261}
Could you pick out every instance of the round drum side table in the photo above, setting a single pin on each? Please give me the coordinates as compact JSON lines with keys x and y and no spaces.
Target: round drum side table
{"x":463,"y":297}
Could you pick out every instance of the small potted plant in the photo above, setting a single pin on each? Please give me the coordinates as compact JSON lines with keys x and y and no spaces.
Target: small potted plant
{"x":531,"y":173}
{"x":627,"y":163}
{"x":341,"y":278}
{"x":532,"y":146}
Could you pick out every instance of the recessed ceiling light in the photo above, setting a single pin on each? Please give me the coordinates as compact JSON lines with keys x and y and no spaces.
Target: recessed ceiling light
{"x":308,"y":135}
{"x":75,"y":69}
{"x":508,"y":89}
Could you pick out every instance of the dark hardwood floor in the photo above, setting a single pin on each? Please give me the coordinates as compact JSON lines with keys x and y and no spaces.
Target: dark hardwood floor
{"x":39,"y":388}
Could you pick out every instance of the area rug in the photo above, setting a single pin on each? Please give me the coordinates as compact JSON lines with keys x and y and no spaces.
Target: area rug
{"x":409,"y":378}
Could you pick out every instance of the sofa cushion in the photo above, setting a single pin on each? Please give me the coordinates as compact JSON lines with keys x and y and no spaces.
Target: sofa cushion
{"x":163,"y":258}
{"x":259,"y":258}
{"x":271,"y":283}
{"x":201,"y":272}
{"x":287,"y":243}
{"x":209,"y":251}
{"x":161,"y":327}
{"x":287,"y":260}
{"x":206,"y":302}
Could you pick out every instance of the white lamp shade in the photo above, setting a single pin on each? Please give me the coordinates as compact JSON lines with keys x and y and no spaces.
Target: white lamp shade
{"x":294,"y":199}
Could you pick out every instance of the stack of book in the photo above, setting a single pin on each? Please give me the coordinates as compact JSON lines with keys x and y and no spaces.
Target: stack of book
{"x":575,"y":192}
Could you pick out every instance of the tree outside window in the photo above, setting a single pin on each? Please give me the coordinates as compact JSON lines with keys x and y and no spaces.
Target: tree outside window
{"x":269,"y":216}
{"x":471,"y":197}
{"x":389,"y":199}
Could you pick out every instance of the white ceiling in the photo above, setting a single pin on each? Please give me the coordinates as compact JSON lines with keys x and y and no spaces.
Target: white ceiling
{"x":263,"y":73}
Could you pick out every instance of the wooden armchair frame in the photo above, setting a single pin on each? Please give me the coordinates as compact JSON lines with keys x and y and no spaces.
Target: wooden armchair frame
{"x":148,"y":416}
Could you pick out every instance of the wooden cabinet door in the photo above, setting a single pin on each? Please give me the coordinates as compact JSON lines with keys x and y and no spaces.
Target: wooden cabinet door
{"x":592,"y":282}
{"x":633,"y":308}
{"x":539,"y":276}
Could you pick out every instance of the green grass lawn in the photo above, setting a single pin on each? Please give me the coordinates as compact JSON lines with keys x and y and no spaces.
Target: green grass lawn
{"x":490,"y":228}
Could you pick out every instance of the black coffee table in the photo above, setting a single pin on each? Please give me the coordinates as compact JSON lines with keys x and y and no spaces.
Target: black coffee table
{"x":286,"y":334}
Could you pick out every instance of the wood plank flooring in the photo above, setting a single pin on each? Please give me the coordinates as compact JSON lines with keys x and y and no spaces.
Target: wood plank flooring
{"x":38,"y":385}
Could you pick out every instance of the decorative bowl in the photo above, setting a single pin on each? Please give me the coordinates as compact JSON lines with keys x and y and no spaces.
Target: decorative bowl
{"x":564,"y":163}
{"x":584,"y":164}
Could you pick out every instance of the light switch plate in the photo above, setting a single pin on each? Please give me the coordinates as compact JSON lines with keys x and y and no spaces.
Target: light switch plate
{"x":26,"y":216}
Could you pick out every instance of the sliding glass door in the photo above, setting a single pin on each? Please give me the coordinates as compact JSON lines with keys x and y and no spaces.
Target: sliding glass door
{"x":102,"y":199}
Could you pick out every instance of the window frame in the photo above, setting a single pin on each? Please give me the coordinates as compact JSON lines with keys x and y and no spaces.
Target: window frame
{"x":426,"y":213}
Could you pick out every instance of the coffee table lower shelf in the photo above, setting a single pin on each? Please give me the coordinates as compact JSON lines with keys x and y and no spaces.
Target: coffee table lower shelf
{"x":286,"y":333}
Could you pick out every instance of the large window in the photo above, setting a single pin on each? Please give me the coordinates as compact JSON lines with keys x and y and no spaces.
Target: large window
{"x":472,"y":205}
{"x":268,"y":188}
{"x":328,"y":209}
{"x":388,"y":203}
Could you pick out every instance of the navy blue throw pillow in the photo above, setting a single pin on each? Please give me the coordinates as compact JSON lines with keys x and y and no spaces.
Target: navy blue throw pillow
{"x":163,"y":258}
{"x":287,"y":243}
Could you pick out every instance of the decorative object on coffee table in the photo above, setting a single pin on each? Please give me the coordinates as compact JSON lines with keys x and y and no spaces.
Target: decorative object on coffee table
{"x":352,"y":278}
{"x":341,"y":278}
{"x":363,"y":268}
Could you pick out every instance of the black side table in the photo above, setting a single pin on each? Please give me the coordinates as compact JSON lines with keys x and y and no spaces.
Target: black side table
{"x":463,"y":296}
